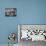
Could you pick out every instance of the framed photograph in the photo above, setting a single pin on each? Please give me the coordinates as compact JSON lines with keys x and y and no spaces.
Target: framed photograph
{"x":32,"y":32}
{"x":10,"y":11}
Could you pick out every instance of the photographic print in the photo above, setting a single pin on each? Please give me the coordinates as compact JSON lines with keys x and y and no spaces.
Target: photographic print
{"x":33,"y":32}
{"x":10,"y":11}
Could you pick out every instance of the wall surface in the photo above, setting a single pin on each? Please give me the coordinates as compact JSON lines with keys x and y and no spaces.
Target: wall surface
{"x":28,"y":12}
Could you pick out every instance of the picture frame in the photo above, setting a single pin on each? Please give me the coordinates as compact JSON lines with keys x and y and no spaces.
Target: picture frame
{"x":38,"y":30}
{"x":10,"y":11}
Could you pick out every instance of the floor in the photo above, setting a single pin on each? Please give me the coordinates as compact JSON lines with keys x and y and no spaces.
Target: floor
{"x":7,"y":45}
{"x":30,"y":43}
